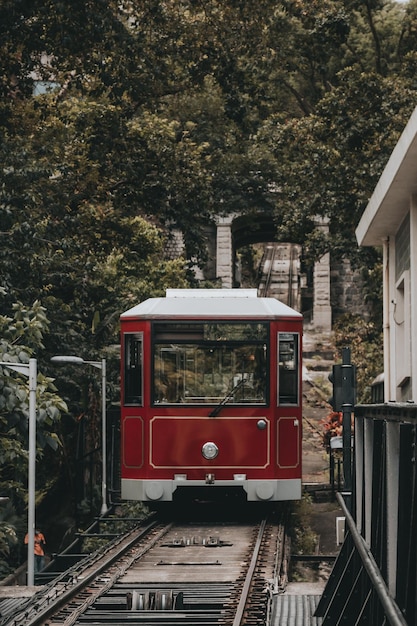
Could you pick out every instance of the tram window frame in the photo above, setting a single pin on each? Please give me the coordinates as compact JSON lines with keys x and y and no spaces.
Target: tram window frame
{"x":195,"y":334}
{"x":131,"y":368}
{"x":288,"y":375}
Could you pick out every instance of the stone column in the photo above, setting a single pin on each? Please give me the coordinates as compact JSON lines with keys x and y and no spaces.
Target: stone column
{"x":322,"y":311}
{"x":224,"y":251}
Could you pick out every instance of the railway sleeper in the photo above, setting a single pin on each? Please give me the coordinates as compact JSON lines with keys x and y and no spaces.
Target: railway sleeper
{"x":205,"y":597}
{"x":192,"y":592}
{"x":192,"y":605}
{"x":208,"y":542}
{"x":165,"y":600}
{"x":159,"y":618}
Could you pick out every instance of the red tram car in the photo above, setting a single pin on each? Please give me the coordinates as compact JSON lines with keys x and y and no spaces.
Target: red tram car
{"x":211,"y":397}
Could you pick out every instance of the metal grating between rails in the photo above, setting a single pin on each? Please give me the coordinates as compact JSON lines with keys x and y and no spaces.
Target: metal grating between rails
{"x":205,"y":604}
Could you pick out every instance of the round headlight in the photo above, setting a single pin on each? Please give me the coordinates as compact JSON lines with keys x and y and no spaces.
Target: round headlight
{"x":209,"y":450}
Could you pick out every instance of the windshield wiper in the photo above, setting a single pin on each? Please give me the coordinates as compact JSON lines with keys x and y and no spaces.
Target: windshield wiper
{"x":227,"y":397}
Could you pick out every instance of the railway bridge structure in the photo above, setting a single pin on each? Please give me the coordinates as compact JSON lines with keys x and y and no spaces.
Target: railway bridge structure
{"x":281,"y":273}
{"x":232,"y":232}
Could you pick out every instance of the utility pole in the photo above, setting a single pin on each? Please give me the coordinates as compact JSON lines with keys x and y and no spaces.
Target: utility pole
{"x":343,"y":400}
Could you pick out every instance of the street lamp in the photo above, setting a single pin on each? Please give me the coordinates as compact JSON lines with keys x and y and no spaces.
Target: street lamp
{"x":30,"y":371}
{"x":101,"y":365}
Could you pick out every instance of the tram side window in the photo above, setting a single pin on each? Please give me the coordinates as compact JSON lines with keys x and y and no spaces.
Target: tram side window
{"x":288,"y":368}
{"x":133,"y":369}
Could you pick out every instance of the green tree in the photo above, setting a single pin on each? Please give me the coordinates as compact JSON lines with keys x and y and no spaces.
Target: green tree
{"x":364,"y":338}
{"x":22,"y":336}
{"x":158,"y":115}
{"x":327,"y":164}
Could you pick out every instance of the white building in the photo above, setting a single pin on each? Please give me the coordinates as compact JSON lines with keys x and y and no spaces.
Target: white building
{"x":390,"y":221}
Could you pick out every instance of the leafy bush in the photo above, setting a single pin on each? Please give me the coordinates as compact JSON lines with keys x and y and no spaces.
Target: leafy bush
{"x":365,"y":341}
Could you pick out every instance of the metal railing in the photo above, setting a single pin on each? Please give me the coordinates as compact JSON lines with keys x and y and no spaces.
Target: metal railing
{"x":374,"y":578}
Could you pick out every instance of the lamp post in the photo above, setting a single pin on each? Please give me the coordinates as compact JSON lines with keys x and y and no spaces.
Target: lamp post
{"x":101,"y":365}
{"x":30,"y":371}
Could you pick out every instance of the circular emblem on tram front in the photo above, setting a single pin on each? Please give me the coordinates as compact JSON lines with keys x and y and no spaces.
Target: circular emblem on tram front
{"x":209,"y":450}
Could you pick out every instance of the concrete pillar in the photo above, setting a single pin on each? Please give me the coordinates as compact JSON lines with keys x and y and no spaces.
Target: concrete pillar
{"x":368,"y":452}
{"x":359,"y":471}
{"x":224,"y":251}
{"x":322,"y":311}
{"x":392,"y":464}
{"x":413,"y":294}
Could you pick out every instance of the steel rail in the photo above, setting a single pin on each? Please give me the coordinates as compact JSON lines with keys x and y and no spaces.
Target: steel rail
{"x":249,"y":575}
{"x":100,"y":596}
{"x":110,"y":580}
{"x":290,"y":276}
{"x":62,"y":596}
{"x":269,"y":256}
{"x":282,"y":560}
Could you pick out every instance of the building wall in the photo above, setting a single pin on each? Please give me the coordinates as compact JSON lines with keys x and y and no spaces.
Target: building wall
{"x":390,"y":220}
{"x":400,"y":307}
{"x":413,"y":295}
{"x":346,"y":290}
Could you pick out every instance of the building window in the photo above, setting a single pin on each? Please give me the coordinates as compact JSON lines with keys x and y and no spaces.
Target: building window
{"x":402,"y":248}
{"x":401,"y":316}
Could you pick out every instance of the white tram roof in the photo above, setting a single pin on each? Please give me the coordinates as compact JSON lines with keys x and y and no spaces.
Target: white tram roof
{"x":211,"y":303}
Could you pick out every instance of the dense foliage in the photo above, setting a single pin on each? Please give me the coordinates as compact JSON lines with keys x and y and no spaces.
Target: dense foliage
{"x":21,"y":335}
{"x":154,"y":115}
{"x":122,"y":120}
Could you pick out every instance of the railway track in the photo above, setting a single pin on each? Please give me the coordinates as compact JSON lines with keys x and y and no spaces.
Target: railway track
{"x":279,"y":273}
{"x":169,"y":573}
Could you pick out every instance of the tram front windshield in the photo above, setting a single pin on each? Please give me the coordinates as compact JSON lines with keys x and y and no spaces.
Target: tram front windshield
{"x":207,"y":363}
